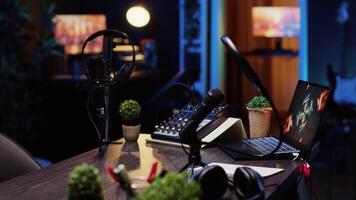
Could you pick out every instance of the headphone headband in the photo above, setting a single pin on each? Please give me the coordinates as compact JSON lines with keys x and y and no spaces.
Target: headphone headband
{"x":108,"y":32}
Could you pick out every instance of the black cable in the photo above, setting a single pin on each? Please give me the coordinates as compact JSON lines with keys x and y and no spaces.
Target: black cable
{"x":255,"y":80}
{"x":183,"y":147}
{"x":308,"y":186}
{"x":92,"y":120}
{"x":161,"y":98}
{"x":105,"y":81}
{"x":312,"y":192}
{"x":270,"y":185}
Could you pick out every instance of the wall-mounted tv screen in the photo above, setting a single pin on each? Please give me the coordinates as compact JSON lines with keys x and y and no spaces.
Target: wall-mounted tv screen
{"x":275,"y":22}
{"x":72,"y":30}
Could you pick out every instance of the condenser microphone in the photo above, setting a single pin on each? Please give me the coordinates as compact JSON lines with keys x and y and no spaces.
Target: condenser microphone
{"x":212,"y":100}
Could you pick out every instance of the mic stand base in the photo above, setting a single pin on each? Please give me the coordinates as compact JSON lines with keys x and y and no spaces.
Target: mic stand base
{"x":194,"y":159}
{"x":104,"y":145}
{"x":191,"y":165}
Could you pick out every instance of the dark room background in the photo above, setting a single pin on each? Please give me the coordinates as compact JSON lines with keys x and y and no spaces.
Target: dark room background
{"x":325,"y":39}
{"x":63,"y":113}
{"x":324,"y":43}
{"x":164,"y":31}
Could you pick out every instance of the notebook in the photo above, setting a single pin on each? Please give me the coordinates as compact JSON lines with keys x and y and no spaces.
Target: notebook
{"x":300,"y":127}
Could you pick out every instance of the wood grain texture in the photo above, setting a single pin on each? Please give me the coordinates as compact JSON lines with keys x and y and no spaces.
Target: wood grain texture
{"x":51,"y":182}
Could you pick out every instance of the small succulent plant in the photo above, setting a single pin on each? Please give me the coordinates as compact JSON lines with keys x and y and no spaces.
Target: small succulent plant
{"x":129,"y":111}
{"x":258,"y":102}
{"x":84,"y":183}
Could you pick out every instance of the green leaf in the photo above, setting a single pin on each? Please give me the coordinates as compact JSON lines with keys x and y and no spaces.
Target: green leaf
{"x":84,"y":182}
{"x":172,"y":186}
{"x":130,"y":110}
{"x":258,"y":102}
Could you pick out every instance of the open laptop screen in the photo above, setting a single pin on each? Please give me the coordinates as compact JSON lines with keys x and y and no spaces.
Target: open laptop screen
{"x":305,"y":114}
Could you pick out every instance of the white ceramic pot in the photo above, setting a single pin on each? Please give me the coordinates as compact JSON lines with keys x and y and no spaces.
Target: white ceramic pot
{"x":131,"y":133}
{"x":259,"y":120}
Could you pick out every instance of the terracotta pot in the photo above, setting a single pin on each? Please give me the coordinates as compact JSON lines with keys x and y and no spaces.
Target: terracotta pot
{"x":131,"y":133}
{"x":259,"y":120}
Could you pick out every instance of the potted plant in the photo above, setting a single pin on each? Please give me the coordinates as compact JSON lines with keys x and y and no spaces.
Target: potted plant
{"x":129,"y":111}
{"x":84,"y":182}
{"x":259,"y":116}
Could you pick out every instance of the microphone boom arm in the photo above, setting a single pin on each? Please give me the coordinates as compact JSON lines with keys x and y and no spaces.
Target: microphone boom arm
{"x":254,"y":79}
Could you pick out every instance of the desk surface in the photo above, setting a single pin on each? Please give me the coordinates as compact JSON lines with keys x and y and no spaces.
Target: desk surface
{"x":51,"y":182}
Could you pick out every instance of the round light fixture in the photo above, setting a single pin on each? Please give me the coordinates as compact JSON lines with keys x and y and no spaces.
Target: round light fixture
{"x":138,"y":16}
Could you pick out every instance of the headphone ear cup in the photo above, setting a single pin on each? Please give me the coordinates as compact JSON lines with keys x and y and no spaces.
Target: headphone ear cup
{"x":248,"y":184}
{"x":124,"y":73}
{"x":213,"y":182}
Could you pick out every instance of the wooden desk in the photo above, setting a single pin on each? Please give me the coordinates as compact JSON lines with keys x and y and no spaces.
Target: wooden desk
{"x":51,"y":182}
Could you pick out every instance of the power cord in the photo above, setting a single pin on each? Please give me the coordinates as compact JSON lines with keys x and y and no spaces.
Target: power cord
{"x":92,"y":120}
{"x":306,"y":178}
{"x":163,"y":96}
{"x":183,"y":147}
{"x":255,"y":80}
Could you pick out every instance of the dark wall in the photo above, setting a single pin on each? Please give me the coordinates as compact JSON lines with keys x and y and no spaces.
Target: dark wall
{"x":64,"y":129}
{"x":325,"y":39}
{"x":163,"y":26}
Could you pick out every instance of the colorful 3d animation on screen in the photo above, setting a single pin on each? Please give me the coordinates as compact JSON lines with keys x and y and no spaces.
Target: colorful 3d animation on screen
{"x":304,"y":115}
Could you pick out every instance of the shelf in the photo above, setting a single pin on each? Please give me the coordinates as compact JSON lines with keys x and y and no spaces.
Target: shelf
{"x":267,"y":52}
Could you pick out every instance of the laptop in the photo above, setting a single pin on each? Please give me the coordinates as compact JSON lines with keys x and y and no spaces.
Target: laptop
{"x":300,"y":127}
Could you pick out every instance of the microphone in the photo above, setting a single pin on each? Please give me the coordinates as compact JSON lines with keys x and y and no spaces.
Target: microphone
{"x":213,"y":99}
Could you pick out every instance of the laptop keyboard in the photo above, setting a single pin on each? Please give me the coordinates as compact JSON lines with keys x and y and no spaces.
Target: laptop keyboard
{"x":267,"y":144}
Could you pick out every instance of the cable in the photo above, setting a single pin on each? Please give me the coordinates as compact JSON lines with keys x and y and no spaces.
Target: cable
{"x":311,"y":191}
{"x":159,"y":104}
{"x":106,"y":82}
{"x":270,"y":185}
{"x":307,"y":184}
{"x":183,"y":147}
{"x":92,"y":120}
{"x":296,"y":156}
{"x":308,"y":187}
{"x":255,"y":80}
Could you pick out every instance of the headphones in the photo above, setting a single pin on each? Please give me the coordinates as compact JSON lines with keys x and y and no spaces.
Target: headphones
{"x":120,"y":76}
{"x":247,"y":183}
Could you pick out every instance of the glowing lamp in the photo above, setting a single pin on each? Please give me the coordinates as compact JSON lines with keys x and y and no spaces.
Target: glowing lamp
{"x":138,"y":16}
